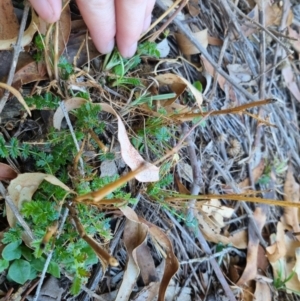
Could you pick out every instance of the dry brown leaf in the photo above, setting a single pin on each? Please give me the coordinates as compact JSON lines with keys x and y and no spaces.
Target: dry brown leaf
{"x":289,"y":78}
{"x":9,"y":26}
{"x":259,"y":218}
{"x":171,"y":262}
{"x":278,"y":249}
{"x":193,"y":8}
{"x":262,"y":292}
{"x":286,"y":262}
{"x":135,"y":234}
{"x":23,"y":187}
{"x":291,"y":193}
{"x":295,"y":35}
{"x":17,"y":94}
{"x":216,"y":212}
{"x":6,"y":44}
{"x":212,"y":233}
{"x":273,"y":15}
{"x":146,"y":264}
{"x":6,"y":172}
{"x":28,"y":70}
{"x":188,"y":48}
{"x":129,"y":154}
{"x":176,"y":81}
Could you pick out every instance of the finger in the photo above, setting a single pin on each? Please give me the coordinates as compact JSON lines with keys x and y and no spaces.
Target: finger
{"x":130,"y":16}
{"x":99,"y":16}
{"x":148,"y":14}
{"x":48,"y":10}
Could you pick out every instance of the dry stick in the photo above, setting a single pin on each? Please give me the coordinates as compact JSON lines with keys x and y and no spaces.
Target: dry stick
{"x":17,"y":49}
{"x":218,"y":254}
{"x":167,"y":11}
{"x":285,"y":12}
{"x":195,"y":190}
{"x":16,"y":212}
{"x":204,"y":52}
{"x":165,"y":25}
{"x":220,"y":60}
{"x":269,"y":32}
{"x":251,"y":61}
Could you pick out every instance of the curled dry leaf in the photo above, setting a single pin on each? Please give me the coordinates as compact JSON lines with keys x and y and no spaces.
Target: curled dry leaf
{"x":216,"y":212}
{"x":289,"y":78}
{"x":291,"y":193}
{"x":262,"y":292}
{"x":283,"y":256}
{"x":171,"y":262}
{"x":6,"y":44}
{"x":6,"y":172}
{"x":129,"y":154}
{"x":193,"y":8}
{"x":188,"y":48}
{"x":250,"y":272}
{"x":176,"y":81}
{"x":135,"y":234}
{"x":211,"y":232}
{"x":22,"y":188}
{"x":17,"y":94}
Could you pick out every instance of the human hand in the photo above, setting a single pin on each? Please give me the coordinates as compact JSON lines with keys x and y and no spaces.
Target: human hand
{"x":107,"y":21}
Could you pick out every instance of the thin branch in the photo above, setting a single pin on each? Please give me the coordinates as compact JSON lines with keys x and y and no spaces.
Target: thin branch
{"x":204,"y":52}
{"x":17,"y":49}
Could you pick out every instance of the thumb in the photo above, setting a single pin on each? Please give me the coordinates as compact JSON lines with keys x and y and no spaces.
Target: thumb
{"x":49,"y":10}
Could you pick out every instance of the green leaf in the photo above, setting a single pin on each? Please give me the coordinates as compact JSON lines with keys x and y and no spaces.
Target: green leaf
{"x":198,"y":86}
{"x":75,"y":288}
{"x":20,"y":271}
{"x":26,"y":252}
{"x":3,"y":265}
{"x":38,"y":264}
{"x":12,"y":251}
{"x":54,"y":269}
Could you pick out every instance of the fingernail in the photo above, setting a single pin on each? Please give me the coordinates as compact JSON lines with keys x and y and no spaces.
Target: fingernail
{"x":147,"y":23}
{"x":130,"y":51}
{"x":108,"y":47}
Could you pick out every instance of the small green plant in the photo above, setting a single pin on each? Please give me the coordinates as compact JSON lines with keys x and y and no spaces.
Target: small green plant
{"x":120,"y":66}
{"x":47,"y":101}
{"x":39,"y":46}
{"x":277,"y":165}
{"x":66,"y":69}
{"x":21,"y":264}
{"x":71,"y":253}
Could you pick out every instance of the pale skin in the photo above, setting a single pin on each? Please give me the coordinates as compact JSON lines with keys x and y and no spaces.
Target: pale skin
{"x":108,"y":21}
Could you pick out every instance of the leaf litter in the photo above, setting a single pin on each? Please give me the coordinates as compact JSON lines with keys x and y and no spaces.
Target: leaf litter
{"x":159,"y":232}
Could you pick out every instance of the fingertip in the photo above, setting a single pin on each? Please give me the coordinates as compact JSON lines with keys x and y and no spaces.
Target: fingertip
{"x":104,"y":48}
{"x":48,"y":10}
{"x":147,"y":23}
{"x":128,"y":51}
